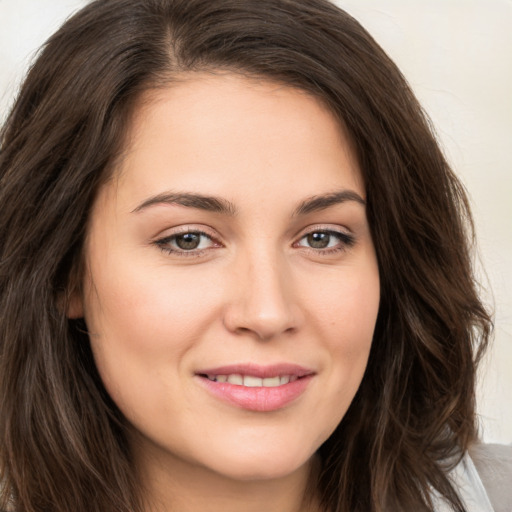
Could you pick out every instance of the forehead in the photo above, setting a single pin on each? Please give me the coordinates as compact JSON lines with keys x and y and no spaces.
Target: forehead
{"x":206,"y":132}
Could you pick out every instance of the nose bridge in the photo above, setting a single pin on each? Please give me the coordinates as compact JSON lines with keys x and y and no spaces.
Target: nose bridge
{"x":263,"y":301}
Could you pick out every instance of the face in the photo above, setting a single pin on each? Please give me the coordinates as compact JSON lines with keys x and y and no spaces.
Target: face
{"x":232,"y":287}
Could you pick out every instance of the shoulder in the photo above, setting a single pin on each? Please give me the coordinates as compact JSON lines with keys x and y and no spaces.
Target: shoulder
{"x":494,"y":465}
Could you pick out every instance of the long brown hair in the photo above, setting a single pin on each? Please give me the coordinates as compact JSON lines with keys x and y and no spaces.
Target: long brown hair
{"x":62,"y":440}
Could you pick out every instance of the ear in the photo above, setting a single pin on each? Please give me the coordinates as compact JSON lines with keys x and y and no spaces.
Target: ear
{"x":71,"y":300}
{"x":74,"y":306}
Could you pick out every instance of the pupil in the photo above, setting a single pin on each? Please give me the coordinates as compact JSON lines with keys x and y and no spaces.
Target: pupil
{"x":188,"y":241}
{"x":318,"y":240}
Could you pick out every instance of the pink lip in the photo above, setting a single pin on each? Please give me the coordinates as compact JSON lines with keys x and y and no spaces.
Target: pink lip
{"x":261,"y":399}
{"x":258,"y":370}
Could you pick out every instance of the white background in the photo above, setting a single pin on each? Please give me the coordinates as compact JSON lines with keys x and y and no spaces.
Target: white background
{"x":457,"y":55}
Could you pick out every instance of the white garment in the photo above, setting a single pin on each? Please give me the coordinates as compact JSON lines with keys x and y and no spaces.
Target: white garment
{"x":494,"y":464}
{"x":470,"y":488}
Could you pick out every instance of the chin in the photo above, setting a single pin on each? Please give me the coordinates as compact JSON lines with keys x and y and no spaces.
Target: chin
{"x":261,"y":466}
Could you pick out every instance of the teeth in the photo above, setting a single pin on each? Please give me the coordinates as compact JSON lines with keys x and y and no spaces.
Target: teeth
{"x":236,"y":379}
{"x":271,"y":382}
{"x":250,"y":381}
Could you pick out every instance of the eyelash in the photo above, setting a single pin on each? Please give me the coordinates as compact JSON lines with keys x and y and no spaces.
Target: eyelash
{"x":164,"y":243}
{"x":346,"y":241}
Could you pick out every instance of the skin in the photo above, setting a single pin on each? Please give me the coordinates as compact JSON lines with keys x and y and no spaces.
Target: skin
{"x":254,"y":291}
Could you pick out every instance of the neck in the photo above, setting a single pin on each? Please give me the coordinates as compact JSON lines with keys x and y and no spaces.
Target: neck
{"x":170,"y":485}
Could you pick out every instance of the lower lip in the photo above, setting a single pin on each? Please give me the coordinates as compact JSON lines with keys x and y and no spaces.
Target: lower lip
{"x":260,"y":399}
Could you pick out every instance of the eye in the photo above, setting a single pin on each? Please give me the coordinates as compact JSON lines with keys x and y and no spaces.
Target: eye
{"x":326,"y":239}
{"x":187,"y":242}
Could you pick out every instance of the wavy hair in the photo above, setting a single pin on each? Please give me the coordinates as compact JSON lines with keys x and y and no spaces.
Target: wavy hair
{"x":62,"y":440}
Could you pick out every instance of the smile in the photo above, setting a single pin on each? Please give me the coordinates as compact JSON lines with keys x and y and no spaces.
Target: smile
{"x":251,"y":381}
{"x":257,"y":388}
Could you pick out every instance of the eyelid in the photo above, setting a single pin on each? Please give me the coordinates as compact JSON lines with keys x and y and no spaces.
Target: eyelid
{"x":347,"y":238}
{"x":162,"y":241}
{"x":325,"y":228}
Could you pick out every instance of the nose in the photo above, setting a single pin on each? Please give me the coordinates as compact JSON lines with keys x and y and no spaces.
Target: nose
{"x":262,"y":302}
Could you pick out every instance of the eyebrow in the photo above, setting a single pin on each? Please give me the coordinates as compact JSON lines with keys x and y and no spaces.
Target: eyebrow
{"x":223,"y":206}
{"x":201,"y":202}
{"x":317,"y":203}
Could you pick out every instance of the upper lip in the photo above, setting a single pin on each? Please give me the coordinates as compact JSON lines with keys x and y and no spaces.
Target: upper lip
{"x":256,"y":370}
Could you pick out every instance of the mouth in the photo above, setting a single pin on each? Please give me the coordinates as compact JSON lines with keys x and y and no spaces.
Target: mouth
{"x":257,"y":388}
{"x":252,"y":381}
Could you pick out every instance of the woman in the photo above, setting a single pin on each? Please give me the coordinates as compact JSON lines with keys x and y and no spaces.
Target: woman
{"x":234,"y":271}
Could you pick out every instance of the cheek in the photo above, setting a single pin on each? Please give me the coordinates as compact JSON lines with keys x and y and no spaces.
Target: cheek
{"x":345,"y":315}
{"x":346,"y":308}
{"x":142,"y":326}
{"x":150,"y":309}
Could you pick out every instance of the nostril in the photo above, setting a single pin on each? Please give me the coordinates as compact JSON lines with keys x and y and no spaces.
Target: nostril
{"x":262,"y":315}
